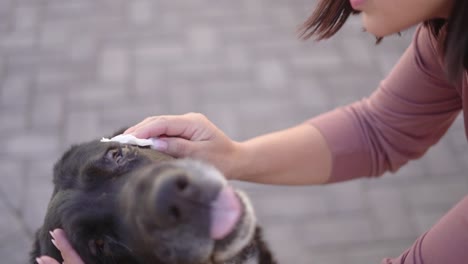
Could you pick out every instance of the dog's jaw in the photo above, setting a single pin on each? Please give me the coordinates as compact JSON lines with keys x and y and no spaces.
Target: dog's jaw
{"x":242,"y":236}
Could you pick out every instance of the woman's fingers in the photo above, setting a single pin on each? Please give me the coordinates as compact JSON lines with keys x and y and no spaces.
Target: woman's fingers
{"x":69,"y":255}
{"x":178,"y":147}
{"x":46,"y":260}
{"x":190,"y":135}
{"x":154,"y":126}
{"x":135,"y":127}
{"x":188,"y":126}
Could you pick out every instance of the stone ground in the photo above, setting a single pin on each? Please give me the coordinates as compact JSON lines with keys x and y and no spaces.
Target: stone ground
{"x":72,"y":71}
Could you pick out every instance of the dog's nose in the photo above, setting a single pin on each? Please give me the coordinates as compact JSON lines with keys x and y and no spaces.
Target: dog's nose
{"x":176,"y":197}
{"x":169,"y":195}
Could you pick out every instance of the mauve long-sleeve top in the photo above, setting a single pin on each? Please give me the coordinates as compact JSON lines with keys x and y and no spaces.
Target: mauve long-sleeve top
{"x":408,"y":113}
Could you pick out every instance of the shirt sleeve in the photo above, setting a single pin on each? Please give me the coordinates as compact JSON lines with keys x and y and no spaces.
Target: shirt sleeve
{"x":408,"y":113}
{"x":445,"y":242}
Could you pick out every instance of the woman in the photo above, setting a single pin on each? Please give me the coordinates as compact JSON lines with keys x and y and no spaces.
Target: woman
{"x":410,"y":111}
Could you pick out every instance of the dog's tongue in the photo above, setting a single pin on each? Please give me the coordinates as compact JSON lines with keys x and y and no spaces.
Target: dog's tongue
{"x":225,"y":213}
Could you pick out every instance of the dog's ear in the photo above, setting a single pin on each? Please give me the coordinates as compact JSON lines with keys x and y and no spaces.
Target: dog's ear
{"x":119,"y":132}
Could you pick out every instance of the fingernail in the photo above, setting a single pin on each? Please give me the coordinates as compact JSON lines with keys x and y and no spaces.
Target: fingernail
{"x":159,"y":144}
{"x":52,"y":234}
{"x":39,"y":261}
{"x":55,"y":243}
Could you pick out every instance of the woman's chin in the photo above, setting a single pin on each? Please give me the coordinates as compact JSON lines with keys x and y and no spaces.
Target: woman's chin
{"x":380,"y":28}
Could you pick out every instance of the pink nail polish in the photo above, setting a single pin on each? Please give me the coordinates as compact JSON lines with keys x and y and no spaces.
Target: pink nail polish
{"x":159,"y":144}
{"x":39,"y":261}
{"x":51,"y":234}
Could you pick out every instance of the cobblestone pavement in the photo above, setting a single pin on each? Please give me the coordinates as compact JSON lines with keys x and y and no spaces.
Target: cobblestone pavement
{"x":72,"y":71}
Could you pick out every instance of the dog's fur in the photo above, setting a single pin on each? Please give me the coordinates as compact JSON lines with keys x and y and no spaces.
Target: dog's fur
{"x":125,"y":204}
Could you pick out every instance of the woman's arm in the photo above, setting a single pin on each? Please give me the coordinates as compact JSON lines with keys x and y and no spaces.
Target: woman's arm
{"x":409,"y":112}
{"x":295,"y":156}
{"x":445,"y":242}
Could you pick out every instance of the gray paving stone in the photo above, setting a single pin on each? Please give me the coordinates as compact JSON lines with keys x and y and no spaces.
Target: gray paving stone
{"x":96,"y":96}
{"x":2,"y":66}
{"x":15,"y":247}
{"x":375,"y":252}
{"x":202,"y":40}
{"x":437,"y":195}
{"x":26,"y":17}
{"x":30,"y":145}
{"x":21,"y":62}
{"x":55,"y":78}
{"x":121,"y":115}
{"x":271,"y":75}
{"x":439,"y":161}
{"x":331,"y":232}
{"x":81,"y":126}
{"x":309,"y":93}
{"x":411,"y":172}
{"x":47,"y":111}
{"x":13,"y":177}
{"x":390,"y":212}
{"x":38,"y":190}
{"x":12,"y":120}
{"x":323,"y":60}
{"x":15,"y":91}
{"x":356,"y":50}
{"x":14,"y":244}
{"x":141,"y":12}
{"x":151,"y":53}
{"x":114,"y":65}
{"x":237,"y":57}
{"x":71,"y":10}
{"x":281,"y":236}
{"x":84,"y":50}
{"x":425,"y":218}
{"x":17,"y":40}
{"x":345,"y":197}
{"x":53,"y":35}
{"x":303,"y":204}
{"x":5,"y":18}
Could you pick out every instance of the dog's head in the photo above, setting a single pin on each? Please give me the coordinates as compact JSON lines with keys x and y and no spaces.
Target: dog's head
{"x":120,"y":203}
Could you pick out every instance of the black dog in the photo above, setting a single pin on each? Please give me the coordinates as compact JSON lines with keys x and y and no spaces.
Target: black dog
{"x":125,"y":204}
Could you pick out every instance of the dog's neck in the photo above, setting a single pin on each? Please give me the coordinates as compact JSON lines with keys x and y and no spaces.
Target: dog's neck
{"x":257,"y":252}
{"x":252,"y":260}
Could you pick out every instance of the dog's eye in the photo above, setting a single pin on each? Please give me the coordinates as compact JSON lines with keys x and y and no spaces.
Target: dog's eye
{"x":99,"y":247}
{"x":115,"y":155}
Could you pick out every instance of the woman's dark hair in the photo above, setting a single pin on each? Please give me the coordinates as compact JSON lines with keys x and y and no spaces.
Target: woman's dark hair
{"x":330,"y":15}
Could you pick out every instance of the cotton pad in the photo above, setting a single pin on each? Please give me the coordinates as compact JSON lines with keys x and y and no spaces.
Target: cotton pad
{"x":130,"y":139}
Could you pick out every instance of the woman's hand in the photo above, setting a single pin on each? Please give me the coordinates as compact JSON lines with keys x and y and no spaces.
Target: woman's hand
{"x":190,"y":135}
{"x":69,"y":255}
{"x":297,"y":155}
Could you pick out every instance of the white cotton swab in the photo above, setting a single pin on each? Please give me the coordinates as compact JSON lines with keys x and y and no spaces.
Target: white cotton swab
{"x":132,"y":140}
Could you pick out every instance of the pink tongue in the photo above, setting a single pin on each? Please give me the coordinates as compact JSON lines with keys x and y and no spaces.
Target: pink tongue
{"x":225,"y":212}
